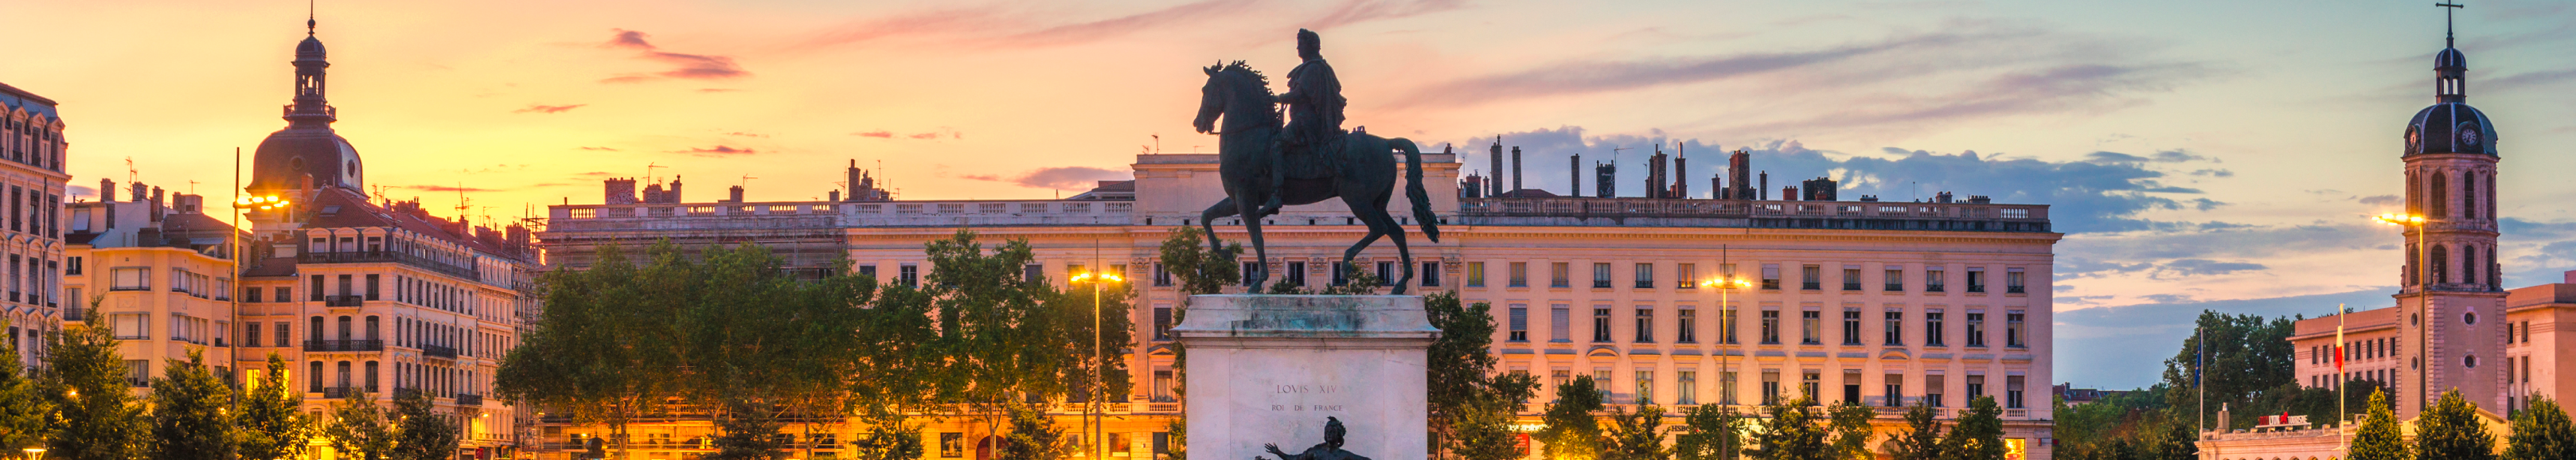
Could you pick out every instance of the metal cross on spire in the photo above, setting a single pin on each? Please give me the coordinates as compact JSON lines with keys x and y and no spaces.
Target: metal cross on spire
{"x":2446,"y":20}
{"x":308,"y":17}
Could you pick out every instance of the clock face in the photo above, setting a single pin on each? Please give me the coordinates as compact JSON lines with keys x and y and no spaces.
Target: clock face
{"x":2469,"y":134}
{"x":2413,"y":138}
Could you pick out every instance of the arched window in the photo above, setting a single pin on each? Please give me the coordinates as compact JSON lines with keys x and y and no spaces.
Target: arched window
{"x":344,"y":374}
{"x":2495,"y":269}
{"x":314,"y":334}
{"x":313,"y":377}
{"x":2469,"y":192}
{"x":2441,"y":270}
{"x":2415,"y":192}
{"x":2469,"y":264}
{"x":344,"y":329}
{"x":371,"y":376}
{"x":2440,"y":201}
{"x":372,"y":327}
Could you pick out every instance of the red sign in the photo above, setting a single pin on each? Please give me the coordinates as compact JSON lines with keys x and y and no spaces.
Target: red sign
{"x":1522,"y":442}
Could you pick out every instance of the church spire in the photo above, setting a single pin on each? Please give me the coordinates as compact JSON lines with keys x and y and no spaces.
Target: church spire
{"x":2450,"y":66}
{"x":311,"y":109}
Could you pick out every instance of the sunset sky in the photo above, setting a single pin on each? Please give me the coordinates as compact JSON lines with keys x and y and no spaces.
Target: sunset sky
{"x":2200,"y":154}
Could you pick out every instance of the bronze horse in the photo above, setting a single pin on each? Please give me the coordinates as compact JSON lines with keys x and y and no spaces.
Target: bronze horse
{"x":1361,"y":172}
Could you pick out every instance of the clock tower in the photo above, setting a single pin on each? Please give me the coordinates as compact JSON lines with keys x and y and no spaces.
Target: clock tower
{"x":2451,"y":305}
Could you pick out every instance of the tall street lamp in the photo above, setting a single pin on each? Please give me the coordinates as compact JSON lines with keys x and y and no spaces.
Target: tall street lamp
{"x":35,"y":453}
{"x":1097,"y":280}
{"x":1727,"y":284}
{"x":2422,"y":286}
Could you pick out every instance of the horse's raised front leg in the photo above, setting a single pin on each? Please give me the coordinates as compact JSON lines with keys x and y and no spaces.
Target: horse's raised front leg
{"x":1207,"y":222}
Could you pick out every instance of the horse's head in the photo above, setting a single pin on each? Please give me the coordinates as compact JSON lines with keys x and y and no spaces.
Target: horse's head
{"x":1237,"y":93}
{"x":1211,"y":100}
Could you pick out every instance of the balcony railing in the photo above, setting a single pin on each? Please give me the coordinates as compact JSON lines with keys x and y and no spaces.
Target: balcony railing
{"x":341,"y":392}
{"x":438,"y":351}
{"x":387,"y":256}
{"x":469,"y":400}
{"x":344,"y":345}
{"x":344,"y":301}
{"x":138,"y":382}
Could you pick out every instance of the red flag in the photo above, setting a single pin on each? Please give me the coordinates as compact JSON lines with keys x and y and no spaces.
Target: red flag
{"x":2338,"y":351}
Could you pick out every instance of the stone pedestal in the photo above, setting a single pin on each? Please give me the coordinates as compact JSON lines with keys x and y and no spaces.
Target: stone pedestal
{"x":1270,"y":368}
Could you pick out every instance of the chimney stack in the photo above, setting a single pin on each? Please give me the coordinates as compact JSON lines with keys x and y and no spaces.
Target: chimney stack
{"x":1496,"y":188}
{"x":735,"y":193}
{"x":1681,"y":172}
{"x":1739,"y":170}
{"x":1516,"y":168}
{"x":618,"y":191}
{"x":1606,"y":177}
{"x":106,"y":191}
{"x":1574,"y":175}
{"x":834,"y":195}
{"x":1765,"y":194}
{"x":140,"y":192}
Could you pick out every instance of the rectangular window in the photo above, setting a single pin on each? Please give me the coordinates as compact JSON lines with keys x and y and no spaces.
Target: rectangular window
{"x":1770,"y":327}
{"x":250,"y":334}
{"x":1895,"y":280}
{"x":1932,"y":280}
{"x":1341,"y":274}
{"x":909,"y":275}
{"x":1475,"y":274}
{"x":1976,"y":387}
{"x":1686,"y":276}
{"x":1851,"y":387}
{"x":1851,"y":278}
{"x":1645,"y":325}
{"x":1813,"y":322}
{"x":1726,"y":325}
{"x":1686,"y":327}
{"x":1600,"y":324}
{"x":130,"y":326}
{"x":869,"y":271}
{"x":1976,"y":329}
{"x":1895,"y":390}
{"x":130,"y":279}
{"x":1809,"y":385}
{"x":1386,"y":272}
{"x":1645,"y":387}
{"x":1562,"y":377}
{"x":1560,"y":324}
{"x":1520,"y":323}
{"x":1253,"y":269}
{"x":2013,"y":335}
{"x":1726,"y":388}
{"x":1645,"y":276}
{"x":1295,"y":275}
{"x":2012,"y":281}
{"x":1976,"y":279}
{"x":1895,"y":328}
{"x":1031,"y":273}
{"x":1601,"y":275}
{"x":372,"y":280}
{"x":1519,"y":274}
{"x":313,"y":291}
{"x":283,"y":334}
{"x":1851,"y":327}
{"x":1431,"y":274}
{"x":1162,"y":390}
{"x":1932,"y":329}
{"x":1162,"y":275}
{"x":1601,"y":380}
{"x":1770,"y":277}
{"x":284,"y":294}
{"x":1560,"y":274}
{"x":1162,"y":324}
{"x":2012,"y":392}
{"x":1770,"y":387}
{"x":1811,"y":278}
{"x":72,"y":266}
{"x":1932,"y":388}
{"x":1688,"y":382}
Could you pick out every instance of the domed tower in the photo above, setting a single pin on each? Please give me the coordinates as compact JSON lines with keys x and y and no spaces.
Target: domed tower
{"x":307,"y":150}
{"x":2452,"y":303}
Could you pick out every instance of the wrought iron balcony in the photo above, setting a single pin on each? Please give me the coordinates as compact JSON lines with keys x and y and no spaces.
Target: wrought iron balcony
{"x":344,"y":301}
{"x":344,"y":345}
{"x":387,"y":256}
{"x":469,"y":400}
{"x":438,"y":351}
{"x":340,"y":392}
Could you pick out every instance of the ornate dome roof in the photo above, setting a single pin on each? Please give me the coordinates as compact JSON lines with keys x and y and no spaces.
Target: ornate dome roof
{"x":289,"y":155}
{"x":310,"y":48}
{"x":2450,"y":58}
{"x":2450,"y":127}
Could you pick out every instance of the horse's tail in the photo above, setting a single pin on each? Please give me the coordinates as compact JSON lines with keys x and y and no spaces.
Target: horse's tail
{"x":1413,"y":188}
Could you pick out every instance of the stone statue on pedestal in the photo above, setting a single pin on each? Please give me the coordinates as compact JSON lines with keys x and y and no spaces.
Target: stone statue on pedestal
{"x":1330,"y":449}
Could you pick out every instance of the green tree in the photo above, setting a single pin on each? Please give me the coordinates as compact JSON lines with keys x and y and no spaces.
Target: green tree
{"x":1195,"y":269}
{"x":2451,"y":431}
{"x":2379,"y":437}
{"x":747,"y":432}
{"x":603,"y":352}
{"x":272,"y":426}
{"x":1572,"y":432}
{"x":421,"y":433}
{"x":1709,"y":432}
{"x":1922,"y":437}
{"x":96,"y":417}
{"x":1979,"y":434}
{"x":23,"y":405}
{"x":1793,"y":431}
{"x":1471,"y":404}
{"x":359,"y":429}
{"x":889,"y":437}
{"x":1635,"y":435}
{"x":2541,"y":432}
{"x":1849,"y":423}
{"x":1033,"y":436}
{"x":190,"y":420}
{"x":2245,"y":355}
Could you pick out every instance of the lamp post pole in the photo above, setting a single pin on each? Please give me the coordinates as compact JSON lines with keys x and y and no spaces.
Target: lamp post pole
{"x":2423,"y":301}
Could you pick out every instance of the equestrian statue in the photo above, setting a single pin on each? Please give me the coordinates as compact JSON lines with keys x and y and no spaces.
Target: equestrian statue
{"x":1266,"y":166}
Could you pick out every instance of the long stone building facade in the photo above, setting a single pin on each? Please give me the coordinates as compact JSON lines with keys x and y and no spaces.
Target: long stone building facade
{"x":1882,"y":303}
{"x":32,"y":151}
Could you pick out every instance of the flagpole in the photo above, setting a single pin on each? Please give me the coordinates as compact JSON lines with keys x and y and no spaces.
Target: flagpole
{"x":2200,"y":378}
{"x":2343,"y":414}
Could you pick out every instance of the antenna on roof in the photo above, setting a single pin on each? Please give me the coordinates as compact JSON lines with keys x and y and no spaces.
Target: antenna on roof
{"x":463,"y":204}
{"x":648,"y":173}
{"x":131,"y":175}
{"x":192,"y":187}
{"x":746,"y":180}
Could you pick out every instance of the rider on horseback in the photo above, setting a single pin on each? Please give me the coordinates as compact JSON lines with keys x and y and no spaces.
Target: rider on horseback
{"x":1314,"y":100}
